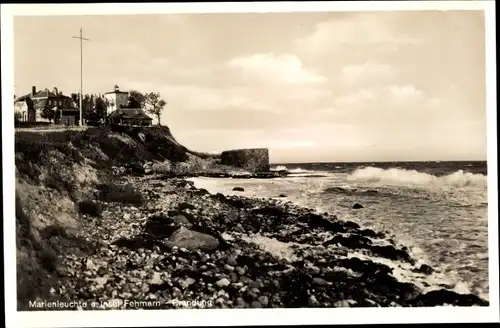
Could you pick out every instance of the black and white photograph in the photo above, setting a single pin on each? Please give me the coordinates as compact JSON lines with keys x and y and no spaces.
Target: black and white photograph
{"x":249,"y":163}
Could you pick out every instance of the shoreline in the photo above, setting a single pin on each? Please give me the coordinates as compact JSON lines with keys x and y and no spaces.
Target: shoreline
{"x":183,"y":243}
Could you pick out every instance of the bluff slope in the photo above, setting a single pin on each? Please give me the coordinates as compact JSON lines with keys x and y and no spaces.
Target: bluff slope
{"x":56,"y":171}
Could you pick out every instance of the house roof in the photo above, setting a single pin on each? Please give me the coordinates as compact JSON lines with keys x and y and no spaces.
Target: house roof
{"x":23,"y":98}
{"x":129,"y":113}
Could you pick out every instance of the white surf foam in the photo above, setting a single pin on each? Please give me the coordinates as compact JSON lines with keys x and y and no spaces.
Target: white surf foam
{"x":412,"y":177}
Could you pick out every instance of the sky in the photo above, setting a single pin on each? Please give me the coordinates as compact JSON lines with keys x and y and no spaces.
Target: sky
{"x":311,"y":87}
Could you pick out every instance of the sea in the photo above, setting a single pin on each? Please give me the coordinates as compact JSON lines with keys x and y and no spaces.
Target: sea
{"x":437,"y":209}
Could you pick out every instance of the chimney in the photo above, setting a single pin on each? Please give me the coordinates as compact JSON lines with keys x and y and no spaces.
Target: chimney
{"x":55,"y":91}
{"x":33,"y":90}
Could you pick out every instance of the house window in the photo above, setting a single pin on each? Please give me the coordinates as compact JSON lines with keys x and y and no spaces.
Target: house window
{"x":60,"y":102}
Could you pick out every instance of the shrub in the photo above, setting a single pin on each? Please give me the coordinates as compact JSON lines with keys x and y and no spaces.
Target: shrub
{"x":125,"y":194}
{"x":90,"y":208}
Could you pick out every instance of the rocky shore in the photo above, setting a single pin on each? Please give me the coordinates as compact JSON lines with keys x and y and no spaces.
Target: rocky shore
{"x":166,"y":242}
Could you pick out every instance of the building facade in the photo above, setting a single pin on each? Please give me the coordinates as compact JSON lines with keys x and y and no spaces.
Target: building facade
{"x":37,"y":106}
{"x":115,"y":99}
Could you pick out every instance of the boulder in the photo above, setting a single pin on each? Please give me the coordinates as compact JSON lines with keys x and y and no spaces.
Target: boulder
{"x":192,"y":240}
{"x":238,"y":189}
{"x":90,"y":208}
{"x":442,"y":296}
{"x":425,"y":269}
{"x":357,"y":206}
{"x":253,"y":160}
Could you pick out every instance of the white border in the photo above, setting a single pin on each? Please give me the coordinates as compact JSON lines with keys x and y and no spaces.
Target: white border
{"x":253,"y":316}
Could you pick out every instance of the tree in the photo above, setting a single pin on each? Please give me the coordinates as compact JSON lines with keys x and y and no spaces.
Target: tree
{"x":139,"y":97}
{"x":133,"y":103}
{"x":48,"y":113}
{"x":100,"y":108}
{"x":57,"y":116}
{"x":155,"y":104}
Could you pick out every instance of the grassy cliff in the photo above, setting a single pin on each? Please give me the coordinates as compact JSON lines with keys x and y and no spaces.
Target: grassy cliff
{"x":58,"y":171}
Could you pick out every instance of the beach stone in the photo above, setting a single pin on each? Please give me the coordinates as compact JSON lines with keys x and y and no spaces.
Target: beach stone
{"x":313,"y":301}
{"x":264,"y":300}
{"x":257,"y":284}
{"x":256,"y":304}
{"x":320,"y":281}
{"x":187,"y":282}
{"x":241,"y":271}
{"x":185,"y":238}
{"x":425,"y":269}
{"x":224,"y":282}
{"x":240,"y":302}
{"x":181,"y":220}
{"x":126,"y":216}
{"x":357,"y":206}
{"x":234,"y":277}
{"x":232,"y":261}
{"x":238,"y":189}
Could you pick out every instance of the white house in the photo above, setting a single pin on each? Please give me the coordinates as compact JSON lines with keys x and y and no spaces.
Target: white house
{"x":115,"y":99}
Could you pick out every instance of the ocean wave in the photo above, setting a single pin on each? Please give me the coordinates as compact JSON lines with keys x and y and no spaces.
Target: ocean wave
{"x":413,"y":177}
{"x":293,"y":171}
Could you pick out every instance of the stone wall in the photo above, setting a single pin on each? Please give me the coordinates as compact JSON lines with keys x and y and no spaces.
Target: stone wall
{"x":253,"y":160}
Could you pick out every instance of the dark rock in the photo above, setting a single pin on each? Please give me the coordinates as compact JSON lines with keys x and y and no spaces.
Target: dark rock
{"x":351,"y":225}
{"x":317,"y":221}
{"x":390,"y":252}
{"x":357,"y":206}
{"x":256,"y":304}
{"x":269,"y":211}
{"x":162,"y":226}
{"x":425,"y":269}
{"x":201,"y":192}
{"x":185,"y":238}
{"x":442,"y":296}
{"x":368,"y":233}
{"x":238,"y":189}
{"x":352,"y":241}
{"x":185,"y":206}
{"x":89,"y":207}
{"x":282,"y":195}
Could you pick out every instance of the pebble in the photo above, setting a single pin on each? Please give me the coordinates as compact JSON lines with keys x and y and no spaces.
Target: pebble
{"x":320,"y":281}
{"x":343,"y":303}
{"x":187,"y":282}
{"x":176,"y":292}
{"x":256,"y":304}
{"x":231,"y":261}
{"x":264,"y":300}
{"x":224,"y":282}
{"x":126,"y":216}
{"x":234,"y":277}
{"x":257,"y":284}
{"x":313,"y":301}
{"x":241,"y":271}
{"x":229,"y":268}
{"x":240,"y":302}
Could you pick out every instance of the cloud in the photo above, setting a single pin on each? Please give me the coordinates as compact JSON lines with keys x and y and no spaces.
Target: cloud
{"x":385,"y":97}
{"x":269,"y":68}
{"x":368,"y":73}
{"x":375,"y":30}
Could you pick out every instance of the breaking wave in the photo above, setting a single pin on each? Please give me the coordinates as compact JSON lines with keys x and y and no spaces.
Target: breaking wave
{"x":293,"y":171}
{"x":413,"y":177}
